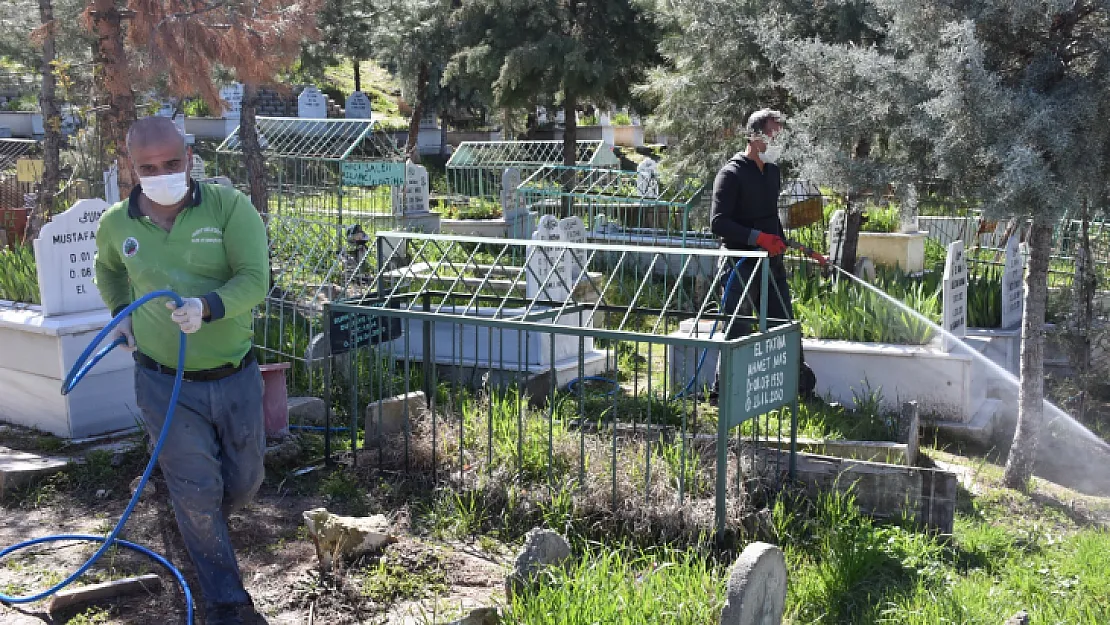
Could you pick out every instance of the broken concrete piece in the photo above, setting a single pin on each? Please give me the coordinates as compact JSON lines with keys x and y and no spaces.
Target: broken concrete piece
{"x":344,"y":537}
{"x":480,"y":616}
{"x":542,"y":549}
{"x":1021,"y":618}
{"x":19,"y":467}
{"x":83,"y":595}
{"x":307,"y":410}
{"x":388,"y":417}
{"x":756,"y":587}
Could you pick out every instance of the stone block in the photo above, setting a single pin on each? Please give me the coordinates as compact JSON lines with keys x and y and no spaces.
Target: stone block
{"x":19,"y":467}
{"x":756,"y":587}
{"x":342,"y":537}
{"x":388,"y":417}
{"x":307,"y":410}
{"x":542,"y":549}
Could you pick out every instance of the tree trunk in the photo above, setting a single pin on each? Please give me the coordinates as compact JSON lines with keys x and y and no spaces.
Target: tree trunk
{"x":117,"y":111}
{"x":853,"y":221}
{"x":52,"y":125}
{"x":417,"y":112}
{"x":252,"y":150}
{"x":570,"y":149}
{"x":1084,"y":285}
{"x":356,"y":64}
{"x":1023,"y":450}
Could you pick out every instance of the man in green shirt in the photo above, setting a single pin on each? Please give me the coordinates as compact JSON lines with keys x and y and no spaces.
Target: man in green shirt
{"x":208,"y":244}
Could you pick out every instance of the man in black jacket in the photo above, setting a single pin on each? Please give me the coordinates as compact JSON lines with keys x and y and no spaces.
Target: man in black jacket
{"x":745,"y":216}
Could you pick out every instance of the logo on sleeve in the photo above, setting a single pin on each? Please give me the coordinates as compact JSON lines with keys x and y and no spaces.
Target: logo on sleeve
{"x":130,"y":247}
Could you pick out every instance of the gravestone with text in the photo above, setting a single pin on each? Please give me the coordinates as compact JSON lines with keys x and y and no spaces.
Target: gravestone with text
{"x":358,"y":106}
{"x":232,"y":95}
{"x":373,"y":174}
{"x":111,"y":183}
{"x":764,"y":374}
{"x":573,"y":231}
{"x":417,"y":189}
{"x":513,"y":208}
{"x":1013,"y":292}
{"x":196,"y":170}
{"x":954,"y":295}
{"x":838,"y":223}
{"x":312,"y":104}
{"x":647,"y":178}
{"x":548,"y":269}
{"x":65,"y":253}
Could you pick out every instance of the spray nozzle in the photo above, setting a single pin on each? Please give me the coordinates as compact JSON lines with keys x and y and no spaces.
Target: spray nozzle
{"x":817,"y":256}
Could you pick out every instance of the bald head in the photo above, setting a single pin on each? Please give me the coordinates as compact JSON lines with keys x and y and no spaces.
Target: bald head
{"x":157,"y":147}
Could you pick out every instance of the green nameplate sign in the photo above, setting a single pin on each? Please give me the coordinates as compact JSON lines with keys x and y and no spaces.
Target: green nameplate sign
{"x":374,"y":174}
{"x":764,"y":374}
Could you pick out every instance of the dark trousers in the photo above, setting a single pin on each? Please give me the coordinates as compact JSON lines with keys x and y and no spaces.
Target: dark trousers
{"x":734,"y":279}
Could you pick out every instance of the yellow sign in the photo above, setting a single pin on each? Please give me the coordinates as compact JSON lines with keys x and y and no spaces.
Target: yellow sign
{"x":29,"y":169}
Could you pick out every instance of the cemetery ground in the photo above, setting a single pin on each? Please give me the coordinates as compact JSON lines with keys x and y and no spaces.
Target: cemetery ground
{"x":1043,"y":552}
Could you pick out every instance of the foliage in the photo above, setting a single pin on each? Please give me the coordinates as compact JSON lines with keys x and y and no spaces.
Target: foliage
{"x":19,"y":280}
{"x":843,"y":310}
{"x":882,"y":219}
{"x":196,"y":107}
{"x":984,"y":296}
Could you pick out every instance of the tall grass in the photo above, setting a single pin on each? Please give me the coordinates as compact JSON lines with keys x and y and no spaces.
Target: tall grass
{"x":19,"y":281}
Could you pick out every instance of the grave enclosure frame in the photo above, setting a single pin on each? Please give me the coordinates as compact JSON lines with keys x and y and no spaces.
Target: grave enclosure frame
{"x":463,"y":313}
{"x":475,"y":167}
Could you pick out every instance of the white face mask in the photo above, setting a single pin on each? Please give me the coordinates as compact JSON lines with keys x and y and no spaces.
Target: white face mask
{"x":165,"y":190}
{"x":771,"y":154}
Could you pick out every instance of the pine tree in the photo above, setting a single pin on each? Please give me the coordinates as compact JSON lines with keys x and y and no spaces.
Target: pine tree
{"x":568,"y":51}
{"x":1005,"y":99}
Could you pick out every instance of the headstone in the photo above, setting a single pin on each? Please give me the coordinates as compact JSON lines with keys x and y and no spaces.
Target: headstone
{"x":111,"y":183}
{"x":513,"y":208}
{"x":542,"y":549}
{"x":756,"y":588}
{"x":1013,"y":291}
{"x":604,"y":119}
{"x":179,"y":121}
{"x":358,"y":106}
{"x":838,"y":223}
{"x":608,"y":133}
{"x":954,"y":295}
{"x":232,"y":95}
{"x":312,"y":104}
{"x":541,"y":115}
{"x":547,"y":271}
{"x":647,"y":178}
{"x":561,"y":117}
{"x":429,"y":122}
{"x":165,"y":108}
{"x":417,"y":189}
{"x":574,"y":231}
{"x":196,"y":171}
{"x":38,"y":129}
{"x":65,"y":253}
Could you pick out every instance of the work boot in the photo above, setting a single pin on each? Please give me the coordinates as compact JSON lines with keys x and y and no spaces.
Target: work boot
{"x":224,"y":614}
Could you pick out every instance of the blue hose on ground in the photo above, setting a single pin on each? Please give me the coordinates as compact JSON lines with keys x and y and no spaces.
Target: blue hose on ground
{"x":80,"y":368}
{"x":697,"y":370}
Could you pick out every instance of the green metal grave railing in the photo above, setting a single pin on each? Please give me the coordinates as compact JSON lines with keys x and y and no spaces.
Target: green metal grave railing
{"x":558,"y":372}
{"x":619,"y":206}
{"x":341,"y":171}
{"x":475,"y":167}
{"x":12,"y":191}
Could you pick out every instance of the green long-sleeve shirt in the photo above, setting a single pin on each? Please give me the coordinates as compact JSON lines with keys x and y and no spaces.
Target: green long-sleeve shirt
{"x":216,"y":250}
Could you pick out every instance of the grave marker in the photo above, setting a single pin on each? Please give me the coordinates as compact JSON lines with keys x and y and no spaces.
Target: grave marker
{"x":358,"y":106}
{"x":838,"y":223}
{"x":1012,"y":285}
{"x":541,"y":115}
{"x":769,"y":368}
{"x":196,"y":170}
{"x":111,"y":183}
{"x":647,"y":178}
{"x":417,"y":189}
{"x":311,"y":104}
{"x":374,"y":173}
{"x":232,"y":95}
{"x":65,"y":253}
{"x":954,"y":294}
{"x":544,"y":282}
{"x":574,"y":231}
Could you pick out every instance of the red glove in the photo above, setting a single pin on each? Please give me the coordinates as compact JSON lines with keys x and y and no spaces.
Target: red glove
{"x":773,"y":244}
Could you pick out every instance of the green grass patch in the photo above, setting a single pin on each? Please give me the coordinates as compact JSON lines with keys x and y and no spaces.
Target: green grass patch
{"x":19,"y":281}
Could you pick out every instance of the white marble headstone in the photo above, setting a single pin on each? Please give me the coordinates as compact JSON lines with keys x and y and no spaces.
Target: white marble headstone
{"x":574,"y":231}
{"x":541,"y":115}
{"x":311,"y":104}
{"x":647,"y":178}
{"x":954,"y":294}
{"x":358,"y":106}
{"x":548,"y":272}
{"x":111,"y":183}
{"x":838,"y":224}
{"x":417,"y":189}
{"x":232,"y":95}
{"x":65,"y":253}
{"x":196,"y":170}
{"x":1013,"y":290}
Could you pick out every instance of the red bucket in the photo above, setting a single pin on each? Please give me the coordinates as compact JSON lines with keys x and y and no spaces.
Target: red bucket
{"x":275,"y":399}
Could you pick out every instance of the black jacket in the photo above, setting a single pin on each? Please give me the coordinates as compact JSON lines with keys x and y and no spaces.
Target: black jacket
{"x":745,"y":202}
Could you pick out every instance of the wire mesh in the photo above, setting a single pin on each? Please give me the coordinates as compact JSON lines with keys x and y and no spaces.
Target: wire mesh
{"x":12,"y":191}
{"x":475,"y":167}
{"x":559,"y":372}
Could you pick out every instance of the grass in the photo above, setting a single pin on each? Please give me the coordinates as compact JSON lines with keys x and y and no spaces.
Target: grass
{"x":18,"y":275}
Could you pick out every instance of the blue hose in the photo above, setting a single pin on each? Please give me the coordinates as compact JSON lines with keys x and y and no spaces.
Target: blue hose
{"x":80,"y":368}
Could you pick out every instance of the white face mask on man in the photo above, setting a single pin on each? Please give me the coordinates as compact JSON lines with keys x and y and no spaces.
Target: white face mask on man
{"x":770,"y":154}
{"x":167,"y":189}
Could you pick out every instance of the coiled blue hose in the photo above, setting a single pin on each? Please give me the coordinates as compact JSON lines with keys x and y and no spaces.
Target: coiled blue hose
{"x":80,"y":368}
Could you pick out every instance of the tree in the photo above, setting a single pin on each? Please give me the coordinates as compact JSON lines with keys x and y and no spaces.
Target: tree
{"x":255,"y":39}
{"x":114,"y":79}
{"x":347,"y":29}
{"x":1006,"y":99}
{"x":568,"y":51}
{"x":52,"y":123}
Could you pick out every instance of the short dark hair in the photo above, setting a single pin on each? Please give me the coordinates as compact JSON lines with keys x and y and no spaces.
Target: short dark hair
{"x":757,"y":121}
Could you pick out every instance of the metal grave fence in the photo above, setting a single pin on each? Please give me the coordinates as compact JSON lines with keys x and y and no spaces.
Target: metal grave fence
{"x":476,"y":167}
{"x":552,"y":372}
